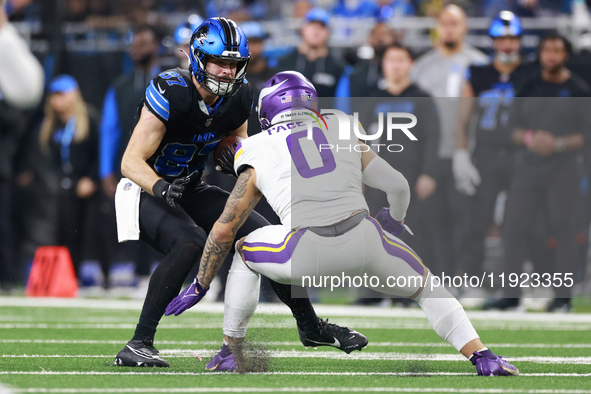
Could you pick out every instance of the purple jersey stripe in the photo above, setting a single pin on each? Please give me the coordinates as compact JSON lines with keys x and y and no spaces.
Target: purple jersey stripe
{"x":261,"y":252}
{"x":395,"y":248}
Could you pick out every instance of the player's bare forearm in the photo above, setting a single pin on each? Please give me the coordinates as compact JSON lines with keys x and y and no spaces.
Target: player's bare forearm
{"x":214,"y":253}
{"x":144,"y":141}
{"x":136,"y":169}
{"x":242,"y":200}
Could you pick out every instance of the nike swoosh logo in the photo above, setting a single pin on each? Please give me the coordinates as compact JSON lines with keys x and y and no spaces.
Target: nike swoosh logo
{"x":513,"y":372}
{"x":143,"y":354}
{"x":336,"y":342}
{"x":160,"y":89}
{"x":212,"y":368}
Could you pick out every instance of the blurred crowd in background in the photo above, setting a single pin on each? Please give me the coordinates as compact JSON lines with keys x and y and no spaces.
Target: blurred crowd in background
{"x":61,"y":157}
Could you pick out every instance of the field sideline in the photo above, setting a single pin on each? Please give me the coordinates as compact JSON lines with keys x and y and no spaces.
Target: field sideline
{"x":68,"y":346}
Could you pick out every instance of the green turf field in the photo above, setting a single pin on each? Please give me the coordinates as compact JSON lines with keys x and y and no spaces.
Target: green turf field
{"x":68,"y":346}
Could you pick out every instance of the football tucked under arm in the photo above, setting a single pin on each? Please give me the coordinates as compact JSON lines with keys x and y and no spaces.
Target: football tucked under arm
{"x":380,"y":175}
{"x":224,"y":155}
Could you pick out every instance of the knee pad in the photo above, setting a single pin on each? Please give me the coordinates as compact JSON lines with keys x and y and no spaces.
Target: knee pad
{"x":446,"y":315}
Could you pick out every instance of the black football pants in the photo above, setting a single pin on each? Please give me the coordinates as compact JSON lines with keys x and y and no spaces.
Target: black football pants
{"x":552,"y":188}
{"x":496,"y":169}
{"x":180,"y":233}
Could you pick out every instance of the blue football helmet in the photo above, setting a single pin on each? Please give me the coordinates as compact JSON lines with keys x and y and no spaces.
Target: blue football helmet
{"x":219,"y":38}
{"x":506,"y":24}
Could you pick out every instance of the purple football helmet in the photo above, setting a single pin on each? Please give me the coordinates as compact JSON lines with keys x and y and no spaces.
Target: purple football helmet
{"x":284,"y":92}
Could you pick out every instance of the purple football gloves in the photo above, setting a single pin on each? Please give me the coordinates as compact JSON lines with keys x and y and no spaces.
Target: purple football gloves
{"x":489,"y":364}
{"x":388,"y":223}
{"x":186,"y":299}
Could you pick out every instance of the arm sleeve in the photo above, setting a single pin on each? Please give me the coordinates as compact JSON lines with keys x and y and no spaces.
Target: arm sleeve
{"x":109,"y":135}
{"x":21,"y":74}
{"x":380,"y":175}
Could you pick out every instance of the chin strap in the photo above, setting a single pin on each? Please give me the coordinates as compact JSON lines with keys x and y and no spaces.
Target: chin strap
{"x":188,"y":58}
{"x":186,"y":54}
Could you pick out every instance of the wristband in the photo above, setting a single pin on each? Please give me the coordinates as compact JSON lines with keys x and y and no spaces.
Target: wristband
{"x":160,"y":187}
{"x":560,"y":144}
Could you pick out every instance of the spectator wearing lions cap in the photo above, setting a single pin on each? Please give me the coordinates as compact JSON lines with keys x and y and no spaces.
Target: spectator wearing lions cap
{"x":69,"y":142}
{"x":312,"y":57}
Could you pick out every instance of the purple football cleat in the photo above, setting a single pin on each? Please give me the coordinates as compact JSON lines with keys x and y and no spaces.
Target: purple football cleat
{"x":223,"y":361}
{"x":489,"y":364}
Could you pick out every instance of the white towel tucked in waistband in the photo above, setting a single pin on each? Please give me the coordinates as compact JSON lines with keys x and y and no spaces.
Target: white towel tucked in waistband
{"x":127,"y":210}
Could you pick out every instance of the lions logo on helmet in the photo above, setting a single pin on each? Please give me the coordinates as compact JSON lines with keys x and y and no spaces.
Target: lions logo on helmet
{"x":506,"y":24}
{"x":202,"y":34}
{"x":219,"y":38}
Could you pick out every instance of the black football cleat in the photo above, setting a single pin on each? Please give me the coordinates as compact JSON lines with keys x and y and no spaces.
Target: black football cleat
{"x":328,"y":334}
{"x":502,"y":304}
{"x":560,"y":305}
{"x":140,"y":353}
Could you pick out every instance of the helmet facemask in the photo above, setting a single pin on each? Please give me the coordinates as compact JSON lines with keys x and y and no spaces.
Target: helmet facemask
{"x":220,"y":86}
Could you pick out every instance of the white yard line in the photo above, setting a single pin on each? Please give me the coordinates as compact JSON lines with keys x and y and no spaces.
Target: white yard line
{"x":365,"y":356}
{"x":278,"y":343}
{"x":300,"y":390}
{"x":259,"y":323}
{"x":280,"y":309}
{"x":287,"y":373}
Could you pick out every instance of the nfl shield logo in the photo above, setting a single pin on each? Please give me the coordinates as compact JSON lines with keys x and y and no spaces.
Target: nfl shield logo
{"x":208,"y":122}
{"x":127,"y":186}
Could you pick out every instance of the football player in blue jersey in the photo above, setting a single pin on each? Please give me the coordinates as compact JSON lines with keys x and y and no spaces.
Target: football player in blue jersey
{"x":487,"y":96}
{"x":184,"y":114}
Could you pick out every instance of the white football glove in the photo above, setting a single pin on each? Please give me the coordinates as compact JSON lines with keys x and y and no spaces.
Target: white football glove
{"x":465,"y":173}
